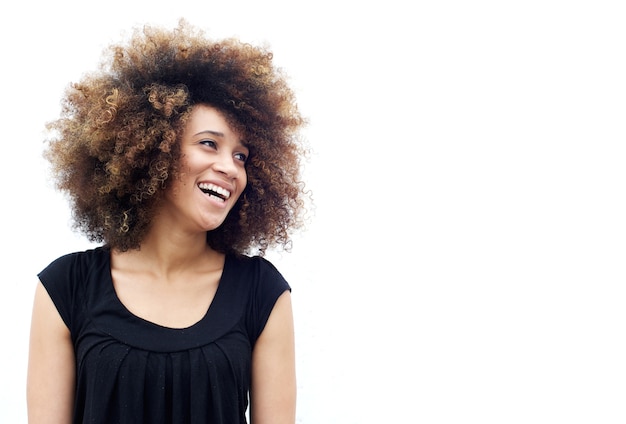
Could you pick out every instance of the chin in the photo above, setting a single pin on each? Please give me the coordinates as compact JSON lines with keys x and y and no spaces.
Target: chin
{"x":213,"y":225}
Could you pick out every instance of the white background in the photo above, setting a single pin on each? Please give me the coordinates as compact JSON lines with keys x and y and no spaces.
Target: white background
{"x":465,"y":262}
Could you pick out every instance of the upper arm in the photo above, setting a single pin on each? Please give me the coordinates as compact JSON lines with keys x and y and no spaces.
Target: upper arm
{"x":51,"y":364}
{"x":273,"y":391}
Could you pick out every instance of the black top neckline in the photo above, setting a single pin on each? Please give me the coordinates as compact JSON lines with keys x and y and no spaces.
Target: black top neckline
{"x":123,"y":309}
{"x":110,"y":315}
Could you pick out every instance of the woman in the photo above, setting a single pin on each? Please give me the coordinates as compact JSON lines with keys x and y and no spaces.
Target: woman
{"x":181,"y":157}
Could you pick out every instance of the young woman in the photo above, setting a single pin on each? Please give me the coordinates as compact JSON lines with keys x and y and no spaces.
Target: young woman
{"x":181,"y":158}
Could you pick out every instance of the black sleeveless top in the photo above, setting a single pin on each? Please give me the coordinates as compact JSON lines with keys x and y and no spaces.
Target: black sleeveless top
{"x":132,"y":371}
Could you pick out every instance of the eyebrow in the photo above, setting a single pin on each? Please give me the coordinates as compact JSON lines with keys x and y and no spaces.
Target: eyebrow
{"x":215,"y":133}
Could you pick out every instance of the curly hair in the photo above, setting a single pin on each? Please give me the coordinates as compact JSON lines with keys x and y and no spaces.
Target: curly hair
{"x":115,"y":147}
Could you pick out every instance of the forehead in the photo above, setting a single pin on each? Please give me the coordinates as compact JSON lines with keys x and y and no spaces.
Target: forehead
{"x":204,"y":117}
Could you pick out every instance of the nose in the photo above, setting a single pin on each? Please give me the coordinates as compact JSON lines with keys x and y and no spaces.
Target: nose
{"x":225,"y":163}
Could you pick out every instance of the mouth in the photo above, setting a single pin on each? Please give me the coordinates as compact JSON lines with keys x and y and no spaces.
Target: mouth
{"x":214,"y":191}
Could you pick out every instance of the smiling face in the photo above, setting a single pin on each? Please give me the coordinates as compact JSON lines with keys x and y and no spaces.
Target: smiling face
{"x":213,"y":173}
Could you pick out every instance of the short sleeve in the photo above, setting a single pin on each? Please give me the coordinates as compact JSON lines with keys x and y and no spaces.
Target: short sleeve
{"x":268,"y":287}
{"x":57,"y":279}
{"x":64,"y":280}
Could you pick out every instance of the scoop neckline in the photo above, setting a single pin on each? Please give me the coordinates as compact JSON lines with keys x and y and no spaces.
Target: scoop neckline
{"x":119,"y":305}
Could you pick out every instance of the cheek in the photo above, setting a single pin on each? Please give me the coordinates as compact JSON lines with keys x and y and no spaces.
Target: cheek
{"x":243,"y":178}
{"x":241,"y":185}
{"x":173,"y":190}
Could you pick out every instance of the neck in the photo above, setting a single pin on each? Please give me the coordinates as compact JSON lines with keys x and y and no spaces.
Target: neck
{"x":170,"y":252}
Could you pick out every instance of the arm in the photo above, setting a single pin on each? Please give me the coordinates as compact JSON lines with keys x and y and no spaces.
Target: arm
{"x":273,"y":391}
{"x":51,"y":364}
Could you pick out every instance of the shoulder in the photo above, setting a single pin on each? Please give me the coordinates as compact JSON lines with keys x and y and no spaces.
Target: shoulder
{"x":67,"y":265}
{"x":257,"y":271}
{"x":66,"y":276}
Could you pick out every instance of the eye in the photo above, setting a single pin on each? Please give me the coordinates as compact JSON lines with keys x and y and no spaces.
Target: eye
{"x":241,"y":156}
{"x":209,"y":143}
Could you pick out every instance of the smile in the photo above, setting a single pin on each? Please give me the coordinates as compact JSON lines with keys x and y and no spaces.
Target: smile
{"x":214,"y":191}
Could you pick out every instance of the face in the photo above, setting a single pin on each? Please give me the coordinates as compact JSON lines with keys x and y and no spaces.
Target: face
{"x":213,"y":172}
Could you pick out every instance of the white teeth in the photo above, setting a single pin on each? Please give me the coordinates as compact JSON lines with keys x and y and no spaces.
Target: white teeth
{"x":208,"y":187}
{"x":217,"y":198}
